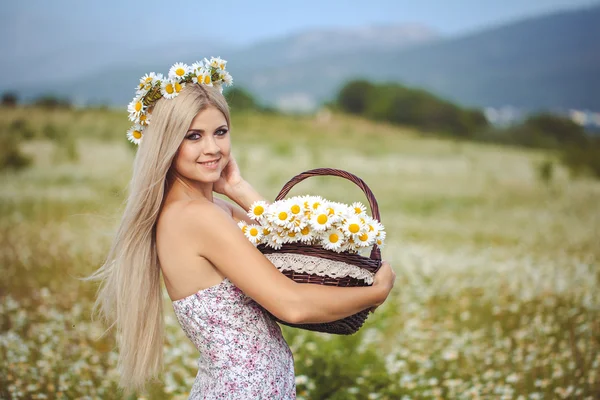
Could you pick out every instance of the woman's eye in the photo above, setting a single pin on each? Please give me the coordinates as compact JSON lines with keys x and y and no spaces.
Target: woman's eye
{"x":193,"y":136}
{"x":221,"y":132}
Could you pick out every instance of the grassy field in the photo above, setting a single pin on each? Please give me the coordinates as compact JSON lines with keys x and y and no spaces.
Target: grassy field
{"x":498,"y":288}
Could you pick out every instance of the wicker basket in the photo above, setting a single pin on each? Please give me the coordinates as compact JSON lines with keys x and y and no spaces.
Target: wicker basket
{"x":327,"y":267}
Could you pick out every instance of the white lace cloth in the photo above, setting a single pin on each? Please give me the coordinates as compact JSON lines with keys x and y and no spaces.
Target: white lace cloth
{"x":318,"y":266}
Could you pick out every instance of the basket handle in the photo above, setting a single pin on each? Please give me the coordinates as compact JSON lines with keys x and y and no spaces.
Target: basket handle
{"x":375,"y":252}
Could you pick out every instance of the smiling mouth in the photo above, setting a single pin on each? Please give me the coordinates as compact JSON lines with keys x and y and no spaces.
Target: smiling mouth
{"x":210,"y":163}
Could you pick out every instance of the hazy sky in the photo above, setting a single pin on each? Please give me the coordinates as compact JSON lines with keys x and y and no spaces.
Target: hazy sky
{"x":28,"y":26}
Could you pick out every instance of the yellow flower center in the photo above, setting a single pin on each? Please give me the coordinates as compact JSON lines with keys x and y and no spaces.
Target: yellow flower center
{"x":266,"y":231}
{"x":138,"y":106}
{"x":357,"y":210}
{"x":177,"y":87}
{"x":143,"y":119}
{"x":330,"y":211}
{"x":259,"y":210}
{"x":148,"y":79}
{"x":322,"y":219}
{"x":305,"y":230}
{"x":206,"y":79}
{"x":379,"y":242}
{"x":253,"y":232}
{"x":316,"y":205}
{"x":333,"y":238}
{"x":180,"y":71}
{"x":244,"y":228}
{"x":222,"y":66}
{"x":169,"y":88}
{"x":137,"y":134}
{"x":292,"y":234}
{"x":354,"y":228}
{"x":295,"y":209}
{"x":283,"y":215}
{"x":364,"y":237}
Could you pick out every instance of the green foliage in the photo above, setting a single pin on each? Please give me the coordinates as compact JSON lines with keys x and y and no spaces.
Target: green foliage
{"x":11,"y":157}
{"x":9,"y":99}
{"x":545,"y":171}
{"x":392,"y":102}
{"x":50,"y":101}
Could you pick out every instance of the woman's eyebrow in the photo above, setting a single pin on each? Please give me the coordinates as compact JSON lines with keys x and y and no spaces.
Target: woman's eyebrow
{"x":202,"y":130}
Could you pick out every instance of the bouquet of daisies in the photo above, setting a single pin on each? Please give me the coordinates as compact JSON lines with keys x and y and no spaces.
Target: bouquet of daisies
{"x":313,"y":220}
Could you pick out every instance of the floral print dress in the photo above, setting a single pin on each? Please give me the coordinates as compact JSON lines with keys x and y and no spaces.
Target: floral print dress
{"x":242,"y":352}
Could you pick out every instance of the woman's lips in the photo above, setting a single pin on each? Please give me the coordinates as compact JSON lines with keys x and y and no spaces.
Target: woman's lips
{"x":210,"y":164}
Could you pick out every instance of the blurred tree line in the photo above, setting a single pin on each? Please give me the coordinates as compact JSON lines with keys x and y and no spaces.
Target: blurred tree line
{"x":398,"y":104}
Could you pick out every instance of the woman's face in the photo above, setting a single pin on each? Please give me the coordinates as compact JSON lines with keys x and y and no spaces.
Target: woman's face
{"x":206,"y":147}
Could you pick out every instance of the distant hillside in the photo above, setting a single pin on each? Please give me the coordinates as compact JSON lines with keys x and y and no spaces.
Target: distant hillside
{"x":540,"y":63}
{"x":547,"y":62}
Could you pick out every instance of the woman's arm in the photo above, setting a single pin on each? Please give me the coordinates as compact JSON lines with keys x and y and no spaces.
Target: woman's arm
{"x":223,"y":244}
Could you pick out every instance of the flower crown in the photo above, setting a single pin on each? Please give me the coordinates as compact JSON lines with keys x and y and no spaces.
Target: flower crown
{"x":153,"y":86}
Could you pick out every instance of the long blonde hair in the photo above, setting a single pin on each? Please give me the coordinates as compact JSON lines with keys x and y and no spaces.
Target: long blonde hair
{"x":130,"y":293}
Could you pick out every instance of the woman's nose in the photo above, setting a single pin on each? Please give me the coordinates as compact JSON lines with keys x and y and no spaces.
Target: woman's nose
{"x":210,"y":145}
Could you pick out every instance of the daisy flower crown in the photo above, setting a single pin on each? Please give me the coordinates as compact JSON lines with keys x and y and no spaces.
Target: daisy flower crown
{"x":153,"y":87}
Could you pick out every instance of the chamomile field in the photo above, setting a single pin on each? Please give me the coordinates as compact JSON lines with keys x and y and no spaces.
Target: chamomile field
{"x":498,"y":283}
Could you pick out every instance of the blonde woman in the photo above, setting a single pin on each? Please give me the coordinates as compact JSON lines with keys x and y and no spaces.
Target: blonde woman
{"x":174,"y":226}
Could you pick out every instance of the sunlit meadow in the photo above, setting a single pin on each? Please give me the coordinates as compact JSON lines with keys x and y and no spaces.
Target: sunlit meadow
{"x":497,"y":295}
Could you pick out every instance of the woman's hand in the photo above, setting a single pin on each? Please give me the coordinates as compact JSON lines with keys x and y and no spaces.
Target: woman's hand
{"x":230,"y":178}
{"x":384,"y":280}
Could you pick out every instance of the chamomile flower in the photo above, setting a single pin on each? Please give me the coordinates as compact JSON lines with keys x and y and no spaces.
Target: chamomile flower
{"x":136,"y":107}
{"x":306,"y":234}
{"x":321,"y":219}
{"x":358,"y":208}
{"x":243,"y":226}
{"x":353,"y":226}
{"x":144,"y":119}
{"x":178,"y":71}
{"x":147,"y":82}
{"x":332,"y":239}
{"x":227,"y":78}
{"x":254,"y":233}
{"x":257,"y":210}
{"x":281,"y":215}
{"x":134,"y":134}
{"x":365,"y":239}
{"x":167,"y":88}
{"x":314,"y":202}
{"x":217,"y":62}
{"x":197,"y":67}
{"x":199,"y":76}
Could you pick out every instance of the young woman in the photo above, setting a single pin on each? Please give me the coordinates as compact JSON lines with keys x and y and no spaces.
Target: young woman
{"x":174,"y":226}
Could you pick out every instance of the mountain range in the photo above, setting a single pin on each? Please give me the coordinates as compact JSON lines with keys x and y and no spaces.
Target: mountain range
{"x":545,"y":62}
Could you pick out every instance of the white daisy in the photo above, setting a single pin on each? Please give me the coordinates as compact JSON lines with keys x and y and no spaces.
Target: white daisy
{"x":254,"y":233}
{"x":136,"y":107}
{"x":144,"y":119}
{"x":321,"y":219}
{"x":243,"y":226}
{"x":227,"y":78}
{"x":281,"y":215}
{"x":306,"y":234}
{"x":134,"y":134}
{"x":358,"y":208}
{"x":217,"y":63}
{"x":167,"y":88}
{"x":199,"y":76}
{"x":178,"y":71}
{"x":365,"y":239}
{"x":257,"y":210}
{"x":314,"y":202}
{"x":197,"y":67}
{"x":147,"y":82}
{"x":353,"y":227}
{"x":332,"y":239}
